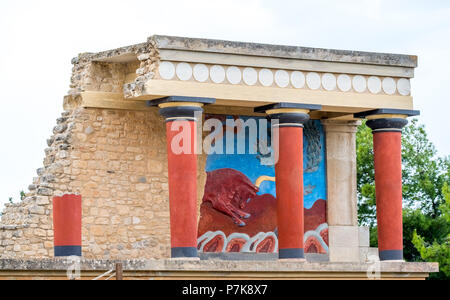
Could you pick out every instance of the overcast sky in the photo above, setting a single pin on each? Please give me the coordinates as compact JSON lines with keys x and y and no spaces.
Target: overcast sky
{"x":39,"y":38}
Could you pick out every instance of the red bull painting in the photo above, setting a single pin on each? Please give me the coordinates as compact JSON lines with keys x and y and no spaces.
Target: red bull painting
{"x":238,"y":212}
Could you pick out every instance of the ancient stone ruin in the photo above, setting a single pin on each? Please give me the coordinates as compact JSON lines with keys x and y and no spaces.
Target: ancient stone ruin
{"x":111,"y":148}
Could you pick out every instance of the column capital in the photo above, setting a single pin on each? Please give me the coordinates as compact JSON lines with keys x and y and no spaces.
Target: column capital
{"x":288,"y":114}
{"x":387,"y":120}
{"x":349,"y":126}
{"x":180,"y":107}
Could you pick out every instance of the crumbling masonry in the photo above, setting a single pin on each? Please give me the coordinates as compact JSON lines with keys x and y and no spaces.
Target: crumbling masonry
{"x":114,"y":158}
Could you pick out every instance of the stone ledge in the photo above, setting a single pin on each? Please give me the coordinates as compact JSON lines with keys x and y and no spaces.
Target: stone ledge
{"x":213,"y":270}
{"x":13,"y":227}
{"x":281,"y":51}
{"x":129,"y":53}
{"x":214,"y":265}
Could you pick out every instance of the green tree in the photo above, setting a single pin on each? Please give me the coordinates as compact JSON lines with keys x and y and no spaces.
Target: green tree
{"x":424,"y":174}
{"x":439,"y":250}
{"x":365,"y":176}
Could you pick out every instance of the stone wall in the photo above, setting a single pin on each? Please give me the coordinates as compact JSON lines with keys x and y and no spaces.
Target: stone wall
{"x":117,"y":161}
{"x":118,"y":166}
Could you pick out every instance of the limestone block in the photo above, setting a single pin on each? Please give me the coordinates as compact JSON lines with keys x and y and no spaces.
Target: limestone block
{"x":344,"y":243}
{"x":344,"y":254}
{"x":368,"y":254}
{"x":343,"y":236}
{"x":364,"y":237}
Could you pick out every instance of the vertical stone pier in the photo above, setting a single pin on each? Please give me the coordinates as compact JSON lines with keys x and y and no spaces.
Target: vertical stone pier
{"x":342,"y":209}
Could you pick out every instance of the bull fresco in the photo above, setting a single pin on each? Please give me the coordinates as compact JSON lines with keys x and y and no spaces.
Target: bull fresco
{"x":238,"y":211}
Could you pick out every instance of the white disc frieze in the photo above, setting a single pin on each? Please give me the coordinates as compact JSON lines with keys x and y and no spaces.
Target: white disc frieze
{"x":329,"y":82}
{"x":234,"y":75}
{"x":374,"y":84}
{"x":184,"y":71}
{"x":166,"y":70}
{"x":217,"y":74}
{"x":404,"y":86}
{"x":201,"y":72}
{"x":359,"y":83}
{"x":344,"y":83}
{"x":250,"y":76}
{"x":298,"y":79}
{"x":266,"y":77}
{"x":313,"y":80}
{"x":389,"y":86}
{"x":282,"y":78}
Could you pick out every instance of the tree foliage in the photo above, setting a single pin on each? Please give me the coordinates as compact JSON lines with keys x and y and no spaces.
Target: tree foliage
{"x":423,"y":173}
{"x":439,"y":250}
{"x":365,"y":176}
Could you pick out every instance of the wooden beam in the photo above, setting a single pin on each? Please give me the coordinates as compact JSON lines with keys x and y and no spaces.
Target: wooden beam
{"x":252,"y":96}
{"x":104,"y":100}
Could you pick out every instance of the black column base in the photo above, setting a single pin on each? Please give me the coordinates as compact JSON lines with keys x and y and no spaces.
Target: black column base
{"x":291,"y":253}
{"x":391,"y":255}
{"x":61,"y":251}
{"x":180,"y":252}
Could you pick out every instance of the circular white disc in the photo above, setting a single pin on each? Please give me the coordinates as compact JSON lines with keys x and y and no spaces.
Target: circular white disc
{"x":266,"y":77}
{"x":298,"y":79}
{"x":184,"y":71}
{"x":404,"y":86}
{"x":234,"y":75}
{"x":374,"y":84}
{"x":166,"y":70}
{"x":344,"y":82}
{"x":282,"y":78}
{"x":359,"y":83}
{"x":313,"y":80}
{"x":217,"y":74}
{"x":201,"y":72}
{"x":389,"y":86}
{"x":329,"y":82}
{"x":250,"y":76}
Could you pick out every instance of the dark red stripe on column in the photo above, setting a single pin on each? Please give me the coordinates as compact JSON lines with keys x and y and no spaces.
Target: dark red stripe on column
{"x":289,"y":189}
{"x":183,"y":191}
{"x":388,"y":189}
{"x":67,"y":225}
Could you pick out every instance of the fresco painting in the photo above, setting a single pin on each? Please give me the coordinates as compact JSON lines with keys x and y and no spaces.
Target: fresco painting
{"x":238,"y":211}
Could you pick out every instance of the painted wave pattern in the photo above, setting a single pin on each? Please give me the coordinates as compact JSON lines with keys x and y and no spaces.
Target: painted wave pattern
{"x":263,"y":242}
{"x":316,"y":240}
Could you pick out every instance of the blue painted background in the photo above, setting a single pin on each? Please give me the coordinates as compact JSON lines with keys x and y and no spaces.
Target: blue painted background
{"x":250,"y":165}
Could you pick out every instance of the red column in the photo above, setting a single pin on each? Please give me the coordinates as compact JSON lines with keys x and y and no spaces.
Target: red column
{"x":289,"y":189}
{"x":67,"y":225}
{"x":287,"y":121}
{"x":388,"y":189}
{"x":182,"y":191}
{"x":181,"y":115}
